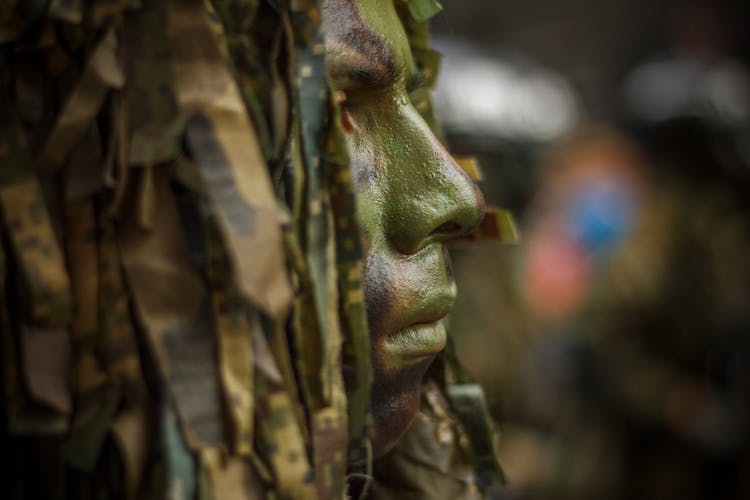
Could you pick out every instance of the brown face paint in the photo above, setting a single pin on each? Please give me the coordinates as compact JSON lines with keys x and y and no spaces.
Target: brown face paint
{"x":412,"y":197}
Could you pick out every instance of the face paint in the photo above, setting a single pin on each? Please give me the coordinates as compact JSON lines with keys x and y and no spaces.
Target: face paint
{"x":412,"y":198}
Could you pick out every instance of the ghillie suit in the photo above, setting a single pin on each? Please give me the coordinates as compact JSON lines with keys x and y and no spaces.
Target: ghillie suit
{"x":181,"y":264}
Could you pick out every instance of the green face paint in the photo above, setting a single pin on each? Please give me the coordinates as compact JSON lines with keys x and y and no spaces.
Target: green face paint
{"x":412,"y":198}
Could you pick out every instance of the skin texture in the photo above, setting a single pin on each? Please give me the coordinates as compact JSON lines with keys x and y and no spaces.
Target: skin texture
{"x":412,"y":198}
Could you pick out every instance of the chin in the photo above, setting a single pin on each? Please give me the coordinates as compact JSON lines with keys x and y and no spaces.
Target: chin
{"x":405,"y":305}
{"x":395,"y":402}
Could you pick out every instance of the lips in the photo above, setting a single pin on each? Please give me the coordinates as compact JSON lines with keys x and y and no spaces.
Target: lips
{"x":423,"y":335}
{"x":417,"y":341}
{"x":407,"y":299}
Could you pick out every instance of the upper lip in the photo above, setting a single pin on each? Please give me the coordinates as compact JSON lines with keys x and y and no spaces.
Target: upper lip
{"x":431,"y":310}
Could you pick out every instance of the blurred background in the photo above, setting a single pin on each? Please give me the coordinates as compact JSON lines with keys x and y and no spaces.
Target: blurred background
{"x":614,"y":341}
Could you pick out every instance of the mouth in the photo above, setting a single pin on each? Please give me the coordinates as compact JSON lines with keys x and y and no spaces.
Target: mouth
{"x":417,"y":342}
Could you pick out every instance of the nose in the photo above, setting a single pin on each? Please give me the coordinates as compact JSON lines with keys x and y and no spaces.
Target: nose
{"x":439,"y":201}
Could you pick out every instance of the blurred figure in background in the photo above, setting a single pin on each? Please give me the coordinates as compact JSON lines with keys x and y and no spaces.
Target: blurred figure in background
{"x":636,"y":283}
{"x":618,"y":359}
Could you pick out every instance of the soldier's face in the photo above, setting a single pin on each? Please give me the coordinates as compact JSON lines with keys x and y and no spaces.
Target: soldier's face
{"x":412,"y":197}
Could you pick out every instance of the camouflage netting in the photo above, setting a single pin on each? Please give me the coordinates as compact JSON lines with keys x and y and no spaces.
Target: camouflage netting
{"x":181,"y":263}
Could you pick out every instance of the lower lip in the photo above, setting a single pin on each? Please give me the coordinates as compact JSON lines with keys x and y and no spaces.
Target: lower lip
{"x":418,"y":341}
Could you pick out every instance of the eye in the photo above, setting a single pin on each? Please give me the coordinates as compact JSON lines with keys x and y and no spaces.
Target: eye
{"x":340,"y":98}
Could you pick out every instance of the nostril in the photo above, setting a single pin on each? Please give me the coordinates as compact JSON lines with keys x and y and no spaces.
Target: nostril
{"x":448,"y":229}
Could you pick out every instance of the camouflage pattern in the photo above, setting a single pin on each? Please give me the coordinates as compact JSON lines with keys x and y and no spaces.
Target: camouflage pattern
{"x":182,"y":265}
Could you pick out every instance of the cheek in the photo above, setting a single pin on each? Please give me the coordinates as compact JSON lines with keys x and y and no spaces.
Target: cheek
{"x":379,"y":293}
{"x":383,"y":158}
{"x":368,"y":169}
{"x":392,"y":159}
{"x":365,"y":150}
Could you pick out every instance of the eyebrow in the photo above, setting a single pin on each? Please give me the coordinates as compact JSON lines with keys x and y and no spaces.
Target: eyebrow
{"x":356,"y":53}
{"x":369,"y":69}
{"x":362,"y":57}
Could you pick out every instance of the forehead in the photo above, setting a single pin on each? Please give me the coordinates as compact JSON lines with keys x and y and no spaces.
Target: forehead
{"x":365,"y":42}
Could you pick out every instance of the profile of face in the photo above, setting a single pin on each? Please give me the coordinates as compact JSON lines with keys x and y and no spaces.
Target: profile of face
{"x":412,"y":198}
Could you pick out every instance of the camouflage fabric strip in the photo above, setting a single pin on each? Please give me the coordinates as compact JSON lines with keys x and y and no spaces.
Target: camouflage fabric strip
{"x":293,"y":476}
{"x":180,"y":463}
{"x":229,"y":478}
{"x":132,"y":433}
{"x":306,"y":330}
{"x":101,"y":72}
{"x":109,"y":12}
{"x":426,"y":59}
{"x":150,"y":96}
{"x":237,"y":16}
{"x":228,"y":156}
{"x":330,"y":441}
{"x":468,"y":401}
{"x":27,"y":224}
{"x":14,"y":22}
{"x":243,"y":25}
{"x":498,"y":225}
{"x":39,"y":256}
{"x":172,"y":302}
{"x":119,"y":352}
{"x":235,"y":344}
{"x":422,"y":10}
{"x":278,"y":439}
{"x":283,"y":358}
{"x":23,"y":415}
{"x":470,"y":166}
{"x":329,"y":423}
{"x":214,"y":139}
{"x":66,"y":10}
{"x":82,"y":256}
{"x":118,"y":346}
{"x":45,"y":354}
{"x":94,"y":404}
{"x":235,"y":361}
{"x":116,"y":165}
{"x":312,"y":88}
{"x":305,"y":323}
{"x":82,"y":447}
{"x":44,"y":347}
{"x":192,"y":351}
{"x":349,"y":261}
{"x":13,"y":395}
